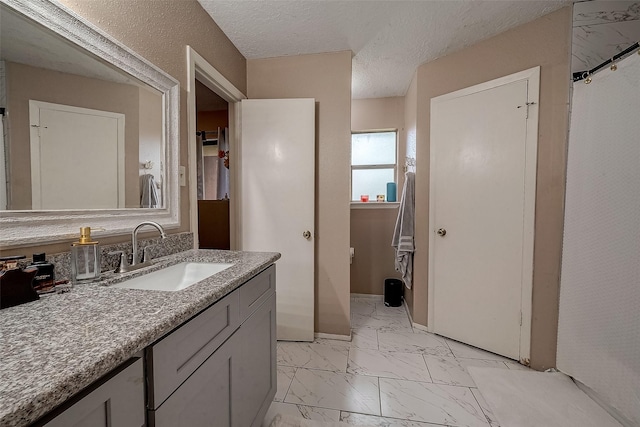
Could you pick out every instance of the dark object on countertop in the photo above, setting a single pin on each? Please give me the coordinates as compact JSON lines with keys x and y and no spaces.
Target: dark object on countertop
{"x":393,"y":292}
{"x":44,"y":281}
{"x":10,"y":262}
{"x":16,"y":288}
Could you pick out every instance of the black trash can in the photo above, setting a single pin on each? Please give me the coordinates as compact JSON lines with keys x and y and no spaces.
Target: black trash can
{"x":393,"y":292}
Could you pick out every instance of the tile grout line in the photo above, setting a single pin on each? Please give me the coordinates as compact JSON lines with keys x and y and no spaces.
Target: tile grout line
{"x":393,"y":418}
{"x":450,"y":349}
{"x":315,"y":369}
{"x":370,"y":376}
{"x":327,"y":408}
{"x":379,"y":397}
{"x":427,"y":365}
{"x":316,"y":407}
{"x":480,"y":406}
{"x":349,"y":348}
{"x":423,"y":355}
{"x":295,"y":370}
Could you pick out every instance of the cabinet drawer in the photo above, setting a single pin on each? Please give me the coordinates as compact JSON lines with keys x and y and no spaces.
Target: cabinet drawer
{"x":207,"y":397}
{"x":173,"y":359}
{"x":256,"y":291}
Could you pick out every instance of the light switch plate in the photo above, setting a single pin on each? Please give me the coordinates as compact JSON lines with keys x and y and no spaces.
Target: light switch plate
{"x":183,"y":176}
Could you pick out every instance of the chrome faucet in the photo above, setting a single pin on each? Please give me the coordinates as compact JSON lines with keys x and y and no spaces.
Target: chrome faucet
{"x":123,"y":265}
{"x":134,"y":240}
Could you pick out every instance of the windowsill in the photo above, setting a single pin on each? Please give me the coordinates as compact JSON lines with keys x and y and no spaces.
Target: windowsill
{"x":374,"y":205}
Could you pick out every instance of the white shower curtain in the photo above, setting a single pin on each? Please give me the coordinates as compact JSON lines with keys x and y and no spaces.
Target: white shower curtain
{"x":599,"y":324}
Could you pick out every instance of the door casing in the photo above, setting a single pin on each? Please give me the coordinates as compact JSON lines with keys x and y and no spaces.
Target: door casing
{"x":532,"y":76}
{"x":200,"y":68}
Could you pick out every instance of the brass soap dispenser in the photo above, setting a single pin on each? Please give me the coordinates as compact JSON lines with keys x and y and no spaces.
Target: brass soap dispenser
{"x":85,"y":258}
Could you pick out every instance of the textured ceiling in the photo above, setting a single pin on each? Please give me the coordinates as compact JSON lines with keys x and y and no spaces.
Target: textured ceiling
{"x":389,"y":39}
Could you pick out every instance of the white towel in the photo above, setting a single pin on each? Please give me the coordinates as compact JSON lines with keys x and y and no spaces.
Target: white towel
{"x":148,"y":193}
{"x":403,"y":235}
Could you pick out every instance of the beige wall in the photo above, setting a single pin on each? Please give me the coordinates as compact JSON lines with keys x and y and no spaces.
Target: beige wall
{"x":327,"y":78}
{"x":26,"y":83}
{"x":372,"y":228}
{"x":377,"y":113}
{"x":374,"y":261}
{"x":544,"y":42}
{"x":159,"y":31}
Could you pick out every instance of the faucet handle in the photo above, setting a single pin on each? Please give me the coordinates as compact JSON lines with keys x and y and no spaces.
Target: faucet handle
{"x":145,"y":253}
{"x":123,"y":262}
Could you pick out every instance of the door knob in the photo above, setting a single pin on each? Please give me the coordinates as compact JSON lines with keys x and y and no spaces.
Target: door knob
{"x":306,"y":234}
{"x":441,"y":232}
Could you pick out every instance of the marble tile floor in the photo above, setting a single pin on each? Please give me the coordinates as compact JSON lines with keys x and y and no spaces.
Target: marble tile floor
{"x":389,"y":375}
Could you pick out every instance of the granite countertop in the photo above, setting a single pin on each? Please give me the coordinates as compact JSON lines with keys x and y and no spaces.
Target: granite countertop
{"x":53,"y":348}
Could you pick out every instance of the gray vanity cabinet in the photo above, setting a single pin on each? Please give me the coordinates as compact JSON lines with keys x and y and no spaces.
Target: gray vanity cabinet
{"x":119,"y":401}
{"x":208,"y":397}
{"x":257,"y":376}
{"x":218,"y":369}
{"x":176,"y":357}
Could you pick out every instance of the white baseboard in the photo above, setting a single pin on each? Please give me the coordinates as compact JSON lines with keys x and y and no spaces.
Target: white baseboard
{"x":420,"y":327}
{"x":413,"y":324}
{"x":333,"y":336}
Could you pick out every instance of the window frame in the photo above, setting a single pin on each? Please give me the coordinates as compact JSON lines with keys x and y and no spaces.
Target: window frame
{"x":373,"y":166}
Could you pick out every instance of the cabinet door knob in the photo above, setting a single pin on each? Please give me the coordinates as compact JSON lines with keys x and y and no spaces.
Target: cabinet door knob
{"x":441,"y":232}
{"x":306,"y":234}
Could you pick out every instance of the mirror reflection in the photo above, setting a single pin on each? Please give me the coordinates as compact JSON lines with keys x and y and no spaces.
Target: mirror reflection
{"x":77,"y":133}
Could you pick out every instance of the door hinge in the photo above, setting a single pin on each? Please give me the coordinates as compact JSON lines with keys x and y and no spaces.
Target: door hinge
{"x":39,"y":129}
{"x":520,"y":318}
{"x":527,"y":104}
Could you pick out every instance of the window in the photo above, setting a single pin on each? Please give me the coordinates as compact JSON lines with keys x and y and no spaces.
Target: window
{"x":373,"y":163}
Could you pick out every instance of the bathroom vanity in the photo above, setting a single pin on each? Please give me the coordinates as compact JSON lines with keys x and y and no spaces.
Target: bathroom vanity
{"x":219,"y":366}
{"x":101,"y":352}
{"x":131,"y":357}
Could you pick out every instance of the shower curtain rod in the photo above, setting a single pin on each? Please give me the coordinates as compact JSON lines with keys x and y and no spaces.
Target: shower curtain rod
{"x":583,"y":74}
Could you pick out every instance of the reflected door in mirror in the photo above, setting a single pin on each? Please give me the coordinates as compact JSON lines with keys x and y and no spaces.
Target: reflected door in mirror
{"x":77,"y":157}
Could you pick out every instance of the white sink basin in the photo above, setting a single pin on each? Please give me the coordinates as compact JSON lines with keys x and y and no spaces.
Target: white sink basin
{"x":175,"y":277}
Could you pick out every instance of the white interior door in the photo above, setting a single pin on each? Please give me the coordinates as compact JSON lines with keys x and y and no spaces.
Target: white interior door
{"x":277,"y":202}
{"x":482,"y":188}
{"x":93,"y":177}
